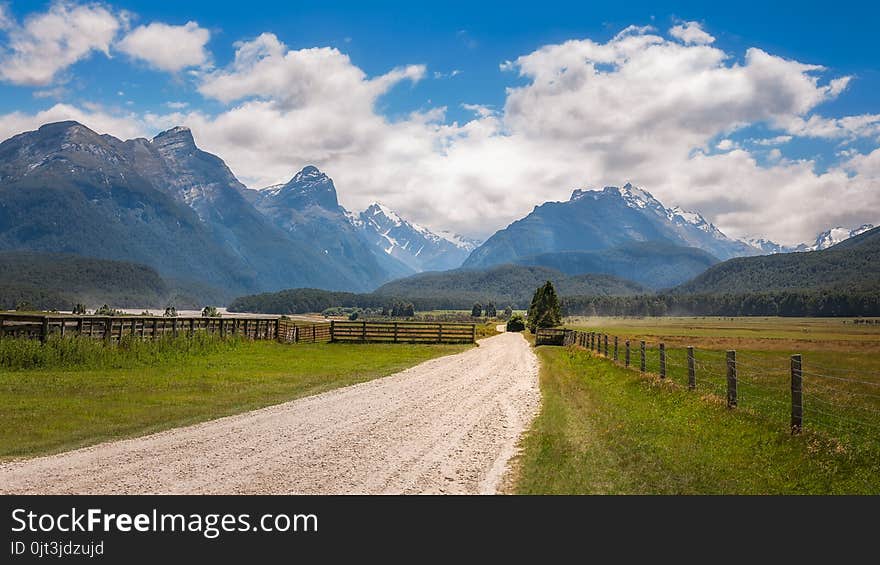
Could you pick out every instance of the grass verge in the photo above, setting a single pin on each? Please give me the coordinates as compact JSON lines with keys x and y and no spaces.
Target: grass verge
{"x":112,"y":394}
{"x":606,"y":430}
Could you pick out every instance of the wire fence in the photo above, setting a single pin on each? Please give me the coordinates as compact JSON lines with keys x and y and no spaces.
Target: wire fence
{"x":840,"y":403}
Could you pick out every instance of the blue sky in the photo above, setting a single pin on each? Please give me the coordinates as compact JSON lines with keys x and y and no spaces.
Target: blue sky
{"x":441,"y":156}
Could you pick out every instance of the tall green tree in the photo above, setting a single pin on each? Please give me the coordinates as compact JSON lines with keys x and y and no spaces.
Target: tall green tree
{"x":544,"y":311}
{"x":477,"y":310}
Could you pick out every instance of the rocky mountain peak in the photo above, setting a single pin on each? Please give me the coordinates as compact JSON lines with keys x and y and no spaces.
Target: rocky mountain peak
{"x":175,"y":139}
{"x":308,"y":187}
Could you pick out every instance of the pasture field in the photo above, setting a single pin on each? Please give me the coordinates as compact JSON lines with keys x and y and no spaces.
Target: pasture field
{"x":69,"y":394}
{"x":604,"y":429}
{"x":841,"y":364}
{"x":664,"y":427}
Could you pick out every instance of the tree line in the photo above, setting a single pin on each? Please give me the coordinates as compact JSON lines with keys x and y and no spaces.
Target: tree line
{"x":783,"y":303}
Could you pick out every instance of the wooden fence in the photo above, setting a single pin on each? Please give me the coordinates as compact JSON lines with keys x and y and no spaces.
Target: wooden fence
{"x":114,"y":328}
{"x":550,"y":336}
{"x":402,"y":332}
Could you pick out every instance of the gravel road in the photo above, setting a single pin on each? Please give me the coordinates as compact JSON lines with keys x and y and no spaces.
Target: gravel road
{"x":449,"y":425}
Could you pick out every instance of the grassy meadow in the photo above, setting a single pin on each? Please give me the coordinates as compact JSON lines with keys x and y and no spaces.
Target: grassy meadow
{"x":603,"y":429}
{"x":72,"y":392}
{"x":841,"y":364}
{"x":648,"y":428}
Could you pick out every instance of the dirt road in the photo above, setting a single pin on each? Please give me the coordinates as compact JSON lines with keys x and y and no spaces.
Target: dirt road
{"x":449,"y":425}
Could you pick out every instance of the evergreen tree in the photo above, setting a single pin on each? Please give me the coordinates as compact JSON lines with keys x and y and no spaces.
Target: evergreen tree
{"x":491,"y":312}
{"x":477,"y":310}
{"x":544,"y":312}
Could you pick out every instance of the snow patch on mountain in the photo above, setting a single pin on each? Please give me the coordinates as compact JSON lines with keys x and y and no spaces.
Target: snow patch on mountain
{"x":823,"y":240}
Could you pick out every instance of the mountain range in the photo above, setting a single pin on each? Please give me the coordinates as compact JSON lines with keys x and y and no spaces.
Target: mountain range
{"x":413,"y":245}
{"x":166,"y":204}
{"x":823,"y":240}
{"x":621,"y":231}
{"x":850,"y":266}
{"x":169,"y":206}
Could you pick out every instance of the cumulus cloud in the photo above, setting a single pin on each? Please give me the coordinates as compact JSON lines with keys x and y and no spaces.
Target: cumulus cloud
{"x":264,"y":68}
{"x":168,"y":47}
{"x":691,"y":33}
{"x":586,"y":114}
{"x":849,"y":127}
{"x":49,"y":42}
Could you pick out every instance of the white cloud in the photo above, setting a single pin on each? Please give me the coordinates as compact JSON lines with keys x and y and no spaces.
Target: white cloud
{"x":691,"y":33}
{"x":849,"y":127}
{"x":480,"y":110}
{"x":49,"y":42}
{"x":725,"y":145}
{"x":177,"y":105}
{"x":777,"y":140}
{"x":168,"y":47}
{"x":320,"y":77}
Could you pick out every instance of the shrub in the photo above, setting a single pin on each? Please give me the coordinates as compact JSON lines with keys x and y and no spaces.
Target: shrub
{"x":210,"y":312}
{"x":516,"y":323}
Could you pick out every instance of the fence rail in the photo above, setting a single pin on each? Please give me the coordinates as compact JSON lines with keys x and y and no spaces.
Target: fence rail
{"x":402,"y":332}
{"x":115,"y":328}
{"x":842,"y":403}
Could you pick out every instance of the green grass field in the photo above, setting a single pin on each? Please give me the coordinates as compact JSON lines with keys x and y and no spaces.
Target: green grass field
{"x":605,"y":429}
{"x":81,"y":394}
{"x":841,"y":364}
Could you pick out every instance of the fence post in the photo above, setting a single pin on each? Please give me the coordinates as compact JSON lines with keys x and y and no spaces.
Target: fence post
{"x":108,"y":329}
{"x":692,"y":372}
{"x":615,"y":348}
{"x":44,"y":330}
{"x":278,"y":329}
{"x":642,"y":364}
{"x":662,"y":360}
{"x":606,"y":344}
{"x":395,"y":332}
{"x":731,"y":379}
{"x":626,"y":355}
{"x":174,"y":327}
{"x":473,"y":333}
{"x":440,"y":333}
{"x":79,"y":327}
{"x":363,"y":330}
{"x":797,"y":394}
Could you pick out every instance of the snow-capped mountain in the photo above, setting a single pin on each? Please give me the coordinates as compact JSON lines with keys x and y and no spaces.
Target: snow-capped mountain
{"x":691,"y":226}
{"x":835,"y":235}
{"x":604,"y":219}
{"x":765,"y":246}
{"x":412,"y":244}
{"x":307,"y":208}
{"x":823,"y":240}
